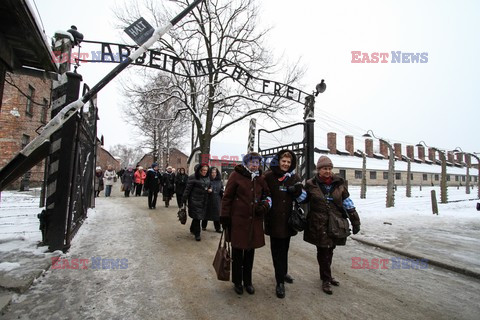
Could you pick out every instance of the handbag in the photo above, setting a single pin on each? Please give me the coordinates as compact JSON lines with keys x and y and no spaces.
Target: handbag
{"x":338,"y":227}
{"x":122,"y":187}
{"x":182,"y":215}
{"x":297,"y":221}
{"x":222,"y":260}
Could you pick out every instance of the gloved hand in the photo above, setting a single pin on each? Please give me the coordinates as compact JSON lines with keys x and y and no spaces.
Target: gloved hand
{"x":356,"y":229}
{"x":226,"y":222}
{"x":296,"y":189}
{"x":262,"y":209}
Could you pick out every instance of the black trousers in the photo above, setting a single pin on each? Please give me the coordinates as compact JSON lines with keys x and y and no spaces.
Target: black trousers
{"x":324,"y":258}
{"x":138,"y":189}
{"x":195,"y":227}
{"x":127,"y":192}
{"x":279,"y":248}
{"x":179,"y":199}
{"x":152,"y":198}
{"x":242,"y":265}
{"x":215,"y":223}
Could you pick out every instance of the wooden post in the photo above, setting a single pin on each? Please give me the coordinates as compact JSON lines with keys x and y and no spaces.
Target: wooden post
{"x":434,"y":203}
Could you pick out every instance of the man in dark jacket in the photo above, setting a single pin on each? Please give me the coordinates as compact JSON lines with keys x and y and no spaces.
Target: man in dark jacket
{"x":328,"y":195}
{"x":152,"y":183}
{"x":168,"y":183}
{"x":181,"y":179}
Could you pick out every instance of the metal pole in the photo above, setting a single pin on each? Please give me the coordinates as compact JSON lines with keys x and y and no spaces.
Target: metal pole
{"x":309,"y":136}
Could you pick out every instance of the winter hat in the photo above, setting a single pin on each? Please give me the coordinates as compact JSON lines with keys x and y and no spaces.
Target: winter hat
{"x":140,"y":168}
{"x":98,"y":168}
{"x":324,"y":161}
{"x":251,"y":156}
{"x":154,"y":165}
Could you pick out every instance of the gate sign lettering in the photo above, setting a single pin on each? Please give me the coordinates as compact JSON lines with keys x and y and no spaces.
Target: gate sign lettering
{"x":140,"y":31}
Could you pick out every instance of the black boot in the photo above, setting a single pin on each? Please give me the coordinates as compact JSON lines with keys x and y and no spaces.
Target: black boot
{"x":280,"y":290}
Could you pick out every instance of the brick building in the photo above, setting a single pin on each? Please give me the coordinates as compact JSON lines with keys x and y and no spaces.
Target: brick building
{"x":104,"y":158}
{"x":178,"y":159}
{"x":25,"y":107}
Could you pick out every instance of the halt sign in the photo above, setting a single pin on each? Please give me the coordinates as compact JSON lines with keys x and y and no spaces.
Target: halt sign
{"x":140,"y":31}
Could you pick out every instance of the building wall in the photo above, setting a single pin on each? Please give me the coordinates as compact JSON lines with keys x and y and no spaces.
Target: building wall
{"x":177,"y":160}
{"x":104,"y":158}
{"x":19,"y":119}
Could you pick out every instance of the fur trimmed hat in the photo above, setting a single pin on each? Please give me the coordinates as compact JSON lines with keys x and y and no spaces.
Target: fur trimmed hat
{"x":251,"y":156}
{"x":324,"y":161}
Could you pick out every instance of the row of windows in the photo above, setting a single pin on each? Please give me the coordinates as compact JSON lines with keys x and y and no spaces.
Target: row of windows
{"x":398,"y":176}
{"x":29,"y":105}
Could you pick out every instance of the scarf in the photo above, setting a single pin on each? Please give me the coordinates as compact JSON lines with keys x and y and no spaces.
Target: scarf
{"x":328,"y":181}
{"x":253,"y":173}
{"x":286,"y":176}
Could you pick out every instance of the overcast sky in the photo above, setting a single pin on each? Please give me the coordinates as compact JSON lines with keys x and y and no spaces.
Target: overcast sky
{"x":436,"y":101}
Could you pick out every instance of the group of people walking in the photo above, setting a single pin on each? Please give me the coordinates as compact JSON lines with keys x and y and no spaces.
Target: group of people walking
{"x":254,"y":203}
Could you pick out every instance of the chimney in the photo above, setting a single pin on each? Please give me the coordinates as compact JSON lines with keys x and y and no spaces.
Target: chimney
{"x":369,"y":147}
{"x":460,"y":158}
{"x":468,"y":160}
{"x":349,"y":145}
{"x":332,"y":142}
{"x":450,"y":157}
{"x":421,"y":153}
{"x":383,"y":148}
{"x":432,"y":155}
{"x":398,"y":150}
{"x":410,"y":152}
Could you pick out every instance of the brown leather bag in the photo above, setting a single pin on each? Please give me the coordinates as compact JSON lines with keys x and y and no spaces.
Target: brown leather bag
{"x":222,"y":260}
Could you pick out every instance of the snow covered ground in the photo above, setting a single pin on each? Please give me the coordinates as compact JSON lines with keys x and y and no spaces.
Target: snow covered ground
{"x":452,"y":235}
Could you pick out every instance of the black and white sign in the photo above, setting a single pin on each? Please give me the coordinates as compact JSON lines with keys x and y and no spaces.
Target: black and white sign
{"x":140,"y":31}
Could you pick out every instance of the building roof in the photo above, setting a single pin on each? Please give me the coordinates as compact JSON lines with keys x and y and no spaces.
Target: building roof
{"x":352,"y":162}
{"x":23,"y":41}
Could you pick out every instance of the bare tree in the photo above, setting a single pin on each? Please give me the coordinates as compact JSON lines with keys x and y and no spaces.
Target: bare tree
{"x":222,"y":33}
{"x":128,"y":155}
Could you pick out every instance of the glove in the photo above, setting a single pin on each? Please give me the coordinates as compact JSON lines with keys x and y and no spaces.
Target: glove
{"x":356,"y":229}
{"x":296,"y":189}
{"x":226,"y":222}
{"x":262,"y":209}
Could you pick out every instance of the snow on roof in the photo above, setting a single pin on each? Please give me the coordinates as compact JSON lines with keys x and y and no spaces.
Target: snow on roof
{"x":352,"y":162}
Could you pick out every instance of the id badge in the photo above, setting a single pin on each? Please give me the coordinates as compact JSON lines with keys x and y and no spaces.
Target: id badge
{"x":282,"y":188}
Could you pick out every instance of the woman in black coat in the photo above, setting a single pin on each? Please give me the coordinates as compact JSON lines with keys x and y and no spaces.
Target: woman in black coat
{"x":196,"y":193}
{"x":168,"y":183}
{"x":285,"y":186}
{"x":181,"y":179}
{"x":214,"y":200}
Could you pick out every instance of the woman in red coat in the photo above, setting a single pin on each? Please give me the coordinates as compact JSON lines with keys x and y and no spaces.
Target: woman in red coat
{"x":245,"y":202}
{"x":139,"y":178}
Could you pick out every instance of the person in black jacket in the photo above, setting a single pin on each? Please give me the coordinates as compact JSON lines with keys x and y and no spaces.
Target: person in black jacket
{"x":181,"y":179}
{"x":285,"y":186}
{"x":168,"y":183}
{"x":152,"y":183}
{"x":214,"y":201}
{"x":196,"y":193}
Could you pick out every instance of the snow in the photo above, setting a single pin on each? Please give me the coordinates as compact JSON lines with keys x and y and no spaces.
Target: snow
{"x":7,"y":266}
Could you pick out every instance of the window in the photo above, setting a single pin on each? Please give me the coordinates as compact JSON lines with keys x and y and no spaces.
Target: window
{"x":30,"y":97}
{"x":456,"y":178}
{"x":448,"y":177}
{"x":463,"y":178}
{"x":343,"y":174}
{"x":373,"y":175}
{"x":358,"y":174}
{"x":43,"y":114}
{"x":425,"y":177}
{"x":385,"y":175}
{"x":25,"y":140}
{"x":398,"y":176}
{"x":436,"y":177}
{"x":411,"y":176}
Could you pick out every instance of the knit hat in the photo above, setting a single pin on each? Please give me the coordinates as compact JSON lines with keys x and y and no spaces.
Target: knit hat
{"x":154,"y":165}
{"x":251,"y":156}
{"x":324,"y":161}
{"x":98,"y":168}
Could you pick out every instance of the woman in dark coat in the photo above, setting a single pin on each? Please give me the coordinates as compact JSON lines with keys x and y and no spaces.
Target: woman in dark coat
{"x":327,"y":194}
{"x":245,"y":202}
{"x":285,"y":186}
{"x":168,"y":183}
{"x":127,"y":180}
{"x":180,"y":184}
{"x":152,"y":183}
{"x":214,"y":200}
{"x":196,"y":193}
{"x":98,"y":181}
